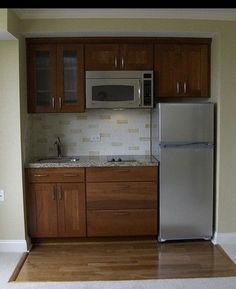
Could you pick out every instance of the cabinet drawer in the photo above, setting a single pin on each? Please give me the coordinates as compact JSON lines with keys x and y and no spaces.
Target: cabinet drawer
{"x":122,"y":195}
{"x":121,"y":222}
{"x":122,"y":174}
{"x":50,"y":175}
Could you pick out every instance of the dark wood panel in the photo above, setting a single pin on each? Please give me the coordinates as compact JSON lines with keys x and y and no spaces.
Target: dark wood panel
{"x":43,"y":210}
{"x":122,"y":174}
{"x":123,"y":195}
{"x":136,"y":56}
{"x":52,"y":175}
{"x":101,"y":56}
{"x":71,"y":210}
{"x":121,"y":222}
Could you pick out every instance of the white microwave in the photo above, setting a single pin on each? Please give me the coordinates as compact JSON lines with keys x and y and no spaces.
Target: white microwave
{"x":119,"y":89}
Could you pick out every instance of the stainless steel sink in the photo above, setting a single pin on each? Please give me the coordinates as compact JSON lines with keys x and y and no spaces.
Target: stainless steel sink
{"x":59,"y":160}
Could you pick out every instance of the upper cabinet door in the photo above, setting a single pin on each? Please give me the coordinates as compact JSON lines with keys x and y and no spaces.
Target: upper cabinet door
{"x":70,"y":76}
{"x":196,"y":69}
{"x":42,"y":78}
{"x":167,"y":72}
{"x":118,"y":56}
{"x":101,"y":56}
{"x":136,"y":56}
{"x":182,"y":70}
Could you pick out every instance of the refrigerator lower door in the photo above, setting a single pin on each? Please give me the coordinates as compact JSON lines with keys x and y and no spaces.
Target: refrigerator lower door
{"x":186,"y":193}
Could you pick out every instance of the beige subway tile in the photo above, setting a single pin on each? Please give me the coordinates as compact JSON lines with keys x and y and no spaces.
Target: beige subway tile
{"x":105,"y":116}
{"x":46,"y":126}
{"x":42,"y":140}
{"x":133,"y":148}
{"x":147,"y":125}
{"x":103,"y":134}
{"x":116,"y":144}
{"x":64,"y":122}
{"x":144,"y":138}
{"x":122,"y":121}
{"x":133,"y":130}
{"x":82,"y":116}
{"x":93,"y":126}
{"x":75,"y":130}
{"x":94,"y":153}
{"x":86,"y":139}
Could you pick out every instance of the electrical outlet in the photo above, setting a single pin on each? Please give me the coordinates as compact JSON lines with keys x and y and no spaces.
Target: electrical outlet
{"x":1,"y":196}
{"x":95,"y":138}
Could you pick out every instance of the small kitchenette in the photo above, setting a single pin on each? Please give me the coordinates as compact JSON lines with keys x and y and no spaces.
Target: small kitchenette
{"x":91,"y":170}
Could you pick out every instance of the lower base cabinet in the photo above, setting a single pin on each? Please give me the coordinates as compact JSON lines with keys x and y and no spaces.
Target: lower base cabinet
{"x":93,"y":202}
{"x":137,"y":222}
{"x":56,"y":209}
{"x":121,"y":201}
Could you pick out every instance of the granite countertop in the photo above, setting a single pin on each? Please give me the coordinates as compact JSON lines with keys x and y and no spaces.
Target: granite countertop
{"x":92,"y":161}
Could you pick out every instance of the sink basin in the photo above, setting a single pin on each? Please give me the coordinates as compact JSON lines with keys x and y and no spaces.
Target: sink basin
{"x":59,"y":160}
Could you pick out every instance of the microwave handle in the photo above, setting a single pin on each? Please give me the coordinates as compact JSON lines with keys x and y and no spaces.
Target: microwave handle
{"x":139,"y":92}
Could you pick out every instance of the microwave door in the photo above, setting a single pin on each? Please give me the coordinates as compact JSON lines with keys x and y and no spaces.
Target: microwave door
{"x":113,"y":93}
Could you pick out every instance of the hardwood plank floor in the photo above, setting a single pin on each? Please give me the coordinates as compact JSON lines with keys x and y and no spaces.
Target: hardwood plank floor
{"x":125,"y":260}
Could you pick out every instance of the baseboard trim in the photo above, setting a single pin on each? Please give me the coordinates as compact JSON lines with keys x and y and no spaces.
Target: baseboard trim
{"x":13,"y":246}
{"x":224,"y":238}
{"x":227,"y":241}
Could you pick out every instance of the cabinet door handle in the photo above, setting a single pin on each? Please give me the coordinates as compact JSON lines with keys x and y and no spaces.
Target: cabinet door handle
{"x":53,"y":102}
{"x":122,"y":170}
{"x":60,"y":102}
{"x":115,"y":62}
{"x":185,"y":87}
{"x":122,"y":62}
{"x":71,"y":175}
{"x":60,"y":193}
{"x":40,"y":175}
{"x":177,"y":87}
{"x":123,"y":187}
{"x":121,"y":213}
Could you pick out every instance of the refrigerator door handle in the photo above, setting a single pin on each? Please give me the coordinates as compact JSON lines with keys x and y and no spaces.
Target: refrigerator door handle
{"x":192,"y":144}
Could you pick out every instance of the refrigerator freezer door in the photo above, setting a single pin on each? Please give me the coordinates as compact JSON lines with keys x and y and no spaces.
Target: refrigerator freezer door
{"x":186,"y":193}
{"x":186,"y":122}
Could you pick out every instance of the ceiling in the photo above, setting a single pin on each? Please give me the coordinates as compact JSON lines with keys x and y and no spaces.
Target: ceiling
{"x":228,"y":14}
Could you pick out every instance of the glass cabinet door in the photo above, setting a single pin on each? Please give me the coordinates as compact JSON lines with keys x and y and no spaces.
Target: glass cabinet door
{"x":70,"y":78}
{"x":42,"y":78}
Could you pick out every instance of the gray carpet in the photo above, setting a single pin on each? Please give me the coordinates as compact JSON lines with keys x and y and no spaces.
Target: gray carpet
{"x":8,"y":263}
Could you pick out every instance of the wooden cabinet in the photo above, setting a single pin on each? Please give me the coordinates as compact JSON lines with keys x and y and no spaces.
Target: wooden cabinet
{"x":55,"y":78}
{"x":56,"y":202}
{"x":118,"y":56}
{"x":182,"y":70}
{"x":121,"y":201}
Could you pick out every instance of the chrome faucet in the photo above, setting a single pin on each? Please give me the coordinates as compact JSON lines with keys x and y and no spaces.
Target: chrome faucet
{"x":59,"y":145}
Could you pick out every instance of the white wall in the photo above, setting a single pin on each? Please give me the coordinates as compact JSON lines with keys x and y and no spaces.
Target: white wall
{"x":11,"y":210}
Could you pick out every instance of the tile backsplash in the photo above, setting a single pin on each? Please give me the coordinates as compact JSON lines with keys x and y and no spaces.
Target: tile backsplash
{"x":95,"y":132}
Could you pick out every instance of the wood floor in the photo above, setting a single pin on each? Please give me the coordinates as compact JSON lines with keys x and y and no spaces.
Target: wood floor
{"x":125,"y":260}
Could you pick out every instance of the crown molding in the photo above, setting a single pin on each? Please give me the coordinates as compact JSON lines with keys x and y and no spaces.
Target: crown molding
{"x":228,"y":14}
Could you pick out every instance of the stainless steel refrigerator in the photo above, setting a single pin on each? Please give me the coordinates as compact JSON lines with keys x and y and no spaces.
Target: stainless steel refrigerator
{"x":183,"y":142}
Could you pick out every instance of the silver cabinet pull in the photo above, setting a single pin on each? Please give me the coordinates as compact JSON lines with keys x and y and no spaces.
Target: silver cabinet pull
{"x":115,"y":62}
{"x":60,"y":102}
{"x":40,"y":175}
{"x":122,"y":170}
{"x":139,"y":92}
{"x":60,"y":193}
{"x":177,"y":87}
{"x":71,"y":175}
{"x":121,"y":213}
{"x":185,"y":87}
{"x":53,"y":102}
{"x":122,"y":62}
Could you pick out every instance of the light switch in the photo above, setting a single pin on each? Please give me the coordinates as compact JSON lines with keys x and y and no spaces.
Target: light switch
{"x":1,"y":196}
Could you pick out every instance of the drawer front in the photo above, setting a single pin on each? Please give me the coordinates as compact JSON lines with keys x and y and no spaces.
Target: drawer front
{"x":122,"y":195}
{"x":122,"y":174}
{"x":121,"y":223}
{"x":50,"y":175}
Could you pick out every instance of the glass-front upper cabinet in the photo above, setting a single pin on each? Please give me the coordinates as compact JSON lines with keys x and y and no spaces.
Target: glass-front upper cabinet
{"x":55,"y":78}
